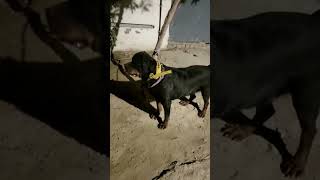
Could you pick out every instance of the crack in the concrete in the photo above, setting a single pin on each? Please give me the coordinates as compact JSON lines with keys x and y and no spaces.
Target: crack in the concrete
{"x":188,"y":162}
{"x":173,"y":166}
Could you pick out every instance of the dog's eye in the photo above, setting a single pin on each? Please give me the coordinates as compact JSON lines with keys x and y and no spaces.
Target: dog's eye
{"x":80,"y":44}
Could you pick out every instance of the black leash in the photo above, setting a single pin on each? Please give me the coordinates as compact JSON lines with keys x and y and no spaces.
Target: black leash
{"x":23,"y":36}
{"x":159,"y":30}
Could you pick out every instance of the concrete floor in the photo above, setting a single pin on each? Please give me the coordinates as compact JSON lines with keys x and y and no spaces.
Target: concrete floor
{"x":29,"y":149}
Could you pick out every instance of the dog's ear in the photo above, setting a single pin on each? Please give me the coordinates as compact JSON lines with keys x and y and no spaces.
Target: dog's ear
{"x":148,"y":65}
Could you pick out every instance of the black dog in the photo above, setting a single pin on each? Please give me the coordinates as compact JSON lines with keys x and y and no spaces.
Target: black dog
{"x":180,"y":83}
{"x":258,"y":59}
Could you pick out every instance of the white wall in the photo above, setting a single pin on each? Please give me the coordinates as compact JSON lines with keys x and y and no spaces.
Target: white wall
{"x":142,"y":38}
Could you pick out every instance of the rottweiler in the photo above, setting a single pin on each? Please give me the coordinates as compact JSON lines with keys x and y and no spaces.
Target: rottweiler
{"x":181,"y":82}
{"x":259,"y":58}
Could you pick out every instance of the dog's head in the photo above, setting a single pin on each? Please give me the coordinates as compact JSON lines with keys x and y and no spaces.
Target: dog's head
{"x":75,"y":22}
{"x":142,"y":65}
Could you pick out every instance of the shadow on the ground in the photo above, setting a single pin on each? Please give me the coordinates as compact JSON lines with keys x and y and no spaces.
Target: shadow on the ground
{"x":132,"y":93}
{"x":71,"y":98}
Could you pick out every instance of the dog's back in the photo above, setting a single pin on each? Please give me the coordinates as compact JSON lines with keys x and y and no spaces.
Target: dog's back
{"x":260,"y":57}
{"x":194,"y":72}
{"x":240,"y":39}
{"x":188,"y":80}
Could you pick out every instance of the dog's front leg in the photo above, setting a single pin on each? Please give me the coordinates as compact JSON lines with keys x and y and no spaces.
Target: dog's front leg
{"x":152,"y":114}
{"x":159,"y":109}
{"x":156,"y":115}
{"x":202,"y":113}
{"x":294,"y":167}
{"x":205,"y":91}
{"x":166,"y":106}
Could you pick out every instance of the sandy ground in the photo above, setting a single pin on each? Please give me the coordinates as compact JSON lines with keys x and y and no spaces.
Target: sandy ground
{"x":141,"y":151}
{"x":29,"y":149}
{"x":254,"y":158}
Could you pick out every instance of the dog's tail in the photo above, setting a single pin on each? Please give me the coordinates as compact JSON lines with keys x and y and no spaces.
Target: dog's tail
{"x":316,"y":13}
{"x":315,"y":18}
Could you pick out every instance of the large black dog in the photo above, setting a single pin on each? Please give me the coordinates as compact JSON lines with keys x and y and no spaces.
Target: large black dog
{"x":180,"y":83}
{"x":259,"y":58}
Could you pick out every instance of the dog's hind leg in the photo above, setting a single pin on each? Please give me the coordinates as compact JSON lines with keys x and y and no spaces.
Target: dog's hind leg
{"x":205,"y":95}
{"x":238,"y":126}
{"x":239,"y":131}
{"x":307,"y":106}
{"x":268,"y":134}
{"x":185,"y":101}
{"x":263,"y":113}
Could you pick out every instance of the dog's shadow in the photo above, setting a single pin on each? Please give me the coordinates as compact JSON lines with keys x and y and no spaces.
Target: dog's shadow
{"x":132,"y":93}
{"x":70,"y":98}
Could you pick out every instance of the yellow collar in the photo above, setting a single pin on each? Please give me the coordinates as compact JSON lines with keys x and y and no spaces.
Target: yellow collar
{"x":159,"y":72}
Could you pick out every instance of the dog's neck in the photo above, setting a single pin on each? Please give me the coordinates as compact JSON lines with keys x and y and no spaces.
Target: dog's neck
{"x":154,"y":82}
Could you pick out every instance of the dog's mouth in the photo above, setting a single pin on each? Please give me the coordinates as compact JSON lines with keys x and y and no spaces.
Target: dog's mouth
{"x":131,"y":70}
{"x":134,"y":74}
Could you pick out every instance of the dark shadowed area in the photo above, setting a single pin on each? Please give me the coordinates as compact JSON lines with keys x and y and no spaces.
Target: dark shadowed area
{"x":53,"y":113}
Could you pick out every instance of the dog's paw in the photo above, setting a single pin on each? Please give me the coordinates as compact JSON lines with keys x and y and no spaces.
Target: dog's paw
{"x":201,"y":114}
{"x":155,"y":116}
{"x":162,"y":125}
{"x":237,"y":132}
{"x":292,"y":167}
{"x":152,"y":116}
{"x":184,"y":103}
